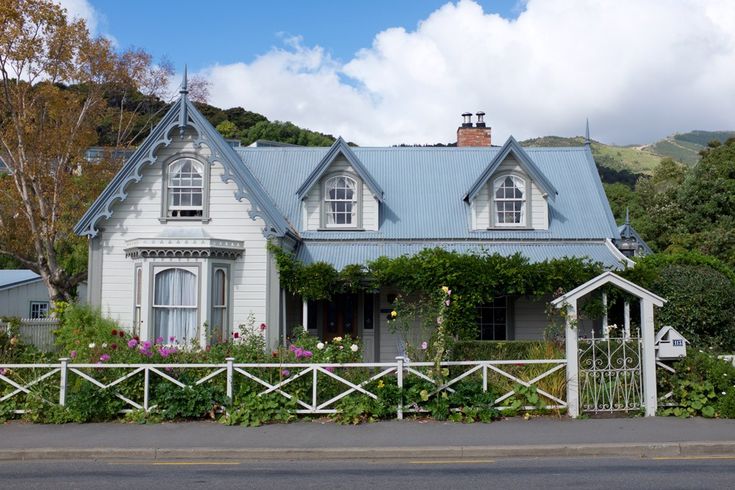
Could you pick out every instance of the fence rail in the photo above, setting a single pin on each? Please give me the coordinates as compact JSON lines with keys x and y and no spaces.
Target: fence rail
{"x":38,"y":332}
{"x":346,"y":380}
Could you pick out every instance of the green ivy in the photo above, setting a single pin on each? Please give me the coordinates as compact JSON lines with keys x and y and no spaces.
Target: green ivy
{"x":473,"y":278}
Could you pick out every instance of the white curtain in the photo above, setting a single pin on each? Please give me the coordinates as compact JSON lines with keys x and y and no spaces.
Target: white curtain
{"x":175,"y":305}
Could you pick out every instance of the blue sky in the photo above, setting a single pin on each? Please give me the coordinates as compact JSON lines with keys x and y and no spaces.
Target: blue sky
{"x":229,"y":31}
{"x":384,"y":72}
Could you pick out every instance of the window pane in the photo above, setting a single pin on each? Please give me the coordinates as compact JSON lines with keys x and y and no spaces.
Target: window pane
{"x":218,"y":288}
{"x":176,"y":287}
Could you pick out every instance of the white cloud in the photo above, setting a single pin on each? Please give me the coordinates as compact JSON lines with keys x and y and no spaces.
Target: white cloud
{"x":638,"y":69}
{"x":82,"y":9}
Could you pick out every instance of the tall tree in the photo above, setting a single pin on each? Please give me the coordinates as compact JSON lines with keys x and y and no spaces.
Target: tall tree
{"x":56,"y":80}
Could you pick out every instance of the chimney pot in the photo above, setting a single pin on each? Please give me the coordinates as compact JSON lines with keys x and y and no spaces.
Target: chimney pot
{"x":466,"y":119}
{"x":480,"y":119}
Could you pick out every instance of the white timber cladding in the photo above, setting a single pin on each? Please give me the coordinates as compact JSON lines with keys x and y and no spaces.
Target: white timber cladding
{"x":312,"y":204}
{"x":16,"y":301}
{"x":536,"y":204}
{"x":138,"y":217}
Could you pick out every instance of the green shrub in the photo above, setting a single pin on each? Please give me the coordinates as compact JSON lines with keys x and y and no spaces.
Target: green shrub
{"x":89,"y":403}
{"x":192,"y":402}
{"x":254,"y":411}
{"x":81,"y":326}
{"x":490,"y":350}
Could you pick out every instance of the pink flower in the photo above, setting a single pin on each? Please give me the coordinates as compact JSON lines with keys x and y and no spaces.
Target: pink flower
{"x":2,"y":372}
{"x":330,"y":369}
{"x":105,"y":357}
{"x":172,"y":339}
{"x":73,"y":354}
{"x":263,"y":326}
{"x":424,"y":345}
{"x":132,"y":343}
{"x":298,"y":352}
{"x":308,"y":354}
{"x":159,"y":340}
{"x":146,"y":345}
{"x":236,"y":335}
{"x":285,"y":373}
{"x":447,"y":302}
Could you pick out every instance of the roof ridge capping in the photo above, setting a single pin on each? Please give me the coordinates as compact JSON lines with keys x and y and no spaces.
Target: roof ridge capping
{"x":525,"y":161}
{"x":340,"y":146}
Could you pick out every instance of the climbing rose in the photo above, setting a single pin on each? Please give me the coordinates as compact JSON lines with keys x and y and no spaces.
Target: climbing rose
{"x":424,"y":345}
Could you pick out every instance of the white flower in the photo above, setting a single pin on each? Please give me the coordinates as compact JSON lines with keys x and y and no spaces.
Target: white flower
{"x":92,"y":345}
{"x":320,"y":345}
{"x":104,"y":345}
{"x":724,"y":393}
{"x":337,"y":339}
{"x":354,"y":347}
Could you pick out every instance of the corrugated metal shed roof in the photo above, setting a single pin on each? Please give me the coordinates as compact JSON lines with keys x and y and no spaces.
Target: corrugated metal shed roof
{"x":16,"y":277}
{"x":345,"y":253}
{"x":424,"y":189}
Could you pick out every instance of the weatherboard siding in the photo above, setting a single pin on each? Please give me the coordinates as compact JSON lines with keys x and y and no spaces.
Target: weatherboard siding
{"x":138,"y":217}
{"x":16,"y":301}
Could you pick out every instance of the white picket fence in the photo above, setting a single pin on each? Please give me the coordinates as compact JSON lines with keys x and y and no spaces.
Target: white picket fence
{"x":38,"y":332}
{"x":401,"y":370}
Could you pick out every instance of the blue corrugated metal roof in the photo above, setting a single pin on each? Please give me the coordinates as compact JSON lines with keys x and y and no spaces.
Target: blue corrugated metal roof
{"x":14,"y":277}
{"x":424,"y":190}
{"x":345,"y":253}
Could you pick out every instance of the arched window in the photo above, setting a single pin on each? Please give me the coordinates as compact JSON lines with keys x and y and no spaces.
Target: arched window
{"x":340,"y":202}
{"x":185,"y":189}
{"x":510,"y":201}
{"x":175,"y":304}
{"x":219,"y":325}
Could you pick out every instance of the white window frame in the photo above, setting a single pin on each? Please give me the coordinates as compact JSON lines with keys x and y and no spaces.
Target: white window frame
{"x":168,"y":208}
{"x":523,"y":185}
{"x":356,"y":201}
{"x":43,"y":310}
{"x":137,"y":299}
{"x":159,"y":268}
{"x":224,"y":329}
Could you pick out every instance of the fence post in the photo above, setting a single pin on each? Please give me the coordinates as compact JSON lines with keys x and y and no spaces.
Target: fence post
{"x":62,"y":380}
{"x":572,"y":351}
{"x":230,"y":372}
{"x":146,"y":383}
{"x":399,"y":377}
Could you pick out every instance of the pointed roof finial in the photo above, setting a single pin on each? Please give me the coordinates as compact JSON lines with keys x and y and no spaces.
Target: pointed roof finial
{"x":587,"y":140}
{"x":184,"y":110}
{"x":184,"y":84}
{"x":627,"y":215}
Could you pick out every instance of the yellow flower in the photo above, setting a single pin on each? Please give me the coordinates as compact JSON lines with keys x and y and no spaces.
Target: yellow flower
{"x":445,"y":289}
{"x":393,"y":314}
{"x":381,"y":384}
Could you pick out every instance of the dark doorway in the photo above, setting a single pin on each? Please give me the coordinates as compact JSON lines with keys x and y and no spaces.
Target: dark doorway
{"x":340,"y":316}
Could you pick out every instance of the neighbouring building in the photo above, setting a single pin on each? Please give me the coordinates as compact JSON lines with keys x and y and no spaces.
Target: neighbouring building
{"x":177,"y":241}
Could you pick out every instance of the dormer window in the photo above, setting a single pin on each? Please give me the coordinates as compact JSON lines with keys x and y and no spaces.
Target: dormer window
{"x":341,"y":208}
{"x":509,"y":196}
{"x":186,"y":186}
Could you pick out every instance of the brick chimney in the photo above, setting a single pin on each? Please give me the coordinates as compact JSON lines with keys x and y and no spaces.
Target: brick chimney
{"x":477,"y":135}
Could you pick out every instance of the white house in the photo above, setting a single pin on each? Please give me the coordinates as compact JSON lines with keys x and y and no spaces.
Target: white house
{"x":177,"y":241}
{"x":23,"y":294}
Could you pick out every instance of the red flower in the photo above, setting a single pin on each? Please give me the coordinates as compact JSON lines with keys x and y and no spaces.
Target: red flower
{"x":263,"y":326}
{"x":121,"y":334}
{"x":114,"y":332}
{"x":275,"y":353}
{"x":113,"y":346}
{"x":236,"y":335}
{"x":137,"y":338}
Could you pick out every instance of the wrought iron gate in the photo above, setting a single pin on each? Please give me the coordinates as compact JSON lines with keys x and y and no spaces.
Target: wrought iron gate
{"x":610,"y":375}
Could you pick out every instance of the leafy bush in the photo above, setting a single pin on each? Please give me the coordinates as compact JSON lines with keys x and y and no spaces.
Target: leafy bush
{"x":192,"y":402}
{"x":88,"y":403}
{"x":254,"y":411}
{"x":702,"y":385}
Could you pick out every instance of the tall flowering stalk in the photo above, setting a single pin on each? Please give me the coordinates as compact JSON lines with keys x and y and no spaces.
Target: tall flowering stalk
{"x":440,"y":336}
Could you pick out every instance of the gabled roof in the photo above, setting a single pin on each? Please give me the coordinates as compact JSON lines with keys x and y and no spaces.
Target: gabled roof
{"x":10,"y":278}
{"x":181,"y":115}
{"x":424,"y":189}
{"x":511,"y":146}
{"x":340,"y":147}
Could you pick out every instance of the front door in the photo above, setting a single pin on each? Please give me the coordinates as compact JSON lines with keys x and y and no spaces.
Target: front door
{"x":340,"y":316}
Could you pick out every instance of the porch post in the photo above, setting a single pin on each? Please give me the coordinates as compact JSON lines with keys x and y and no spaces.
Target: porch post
{"x":650,"y":397}
{"x":626,"y":314}
{"x":572,"y":348}
{"x":305,"y":315}
{"x":605,"y":331}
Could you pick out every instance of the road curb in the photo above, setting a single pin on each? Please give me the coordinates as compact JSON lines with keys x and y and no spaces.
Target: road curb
{"x":640,"y":450}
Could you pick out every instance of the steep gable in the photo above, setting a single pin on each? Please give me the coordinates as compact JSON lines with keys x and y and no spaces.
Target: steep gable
{"x":184,"y":115}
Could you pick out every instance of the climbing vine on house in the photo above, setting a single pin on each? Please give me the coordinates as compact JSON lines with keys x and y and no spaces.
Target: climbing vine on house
{"x":474,"y":279}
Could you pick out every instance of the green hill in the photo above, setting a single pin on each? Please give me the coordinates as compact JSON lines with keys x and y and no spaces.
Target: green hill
{"x":685,"y":147}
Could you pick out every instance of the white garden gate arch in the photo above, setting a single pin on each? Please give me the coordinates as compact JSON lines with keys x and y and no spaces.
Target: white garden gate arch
{"x":648,"y":359}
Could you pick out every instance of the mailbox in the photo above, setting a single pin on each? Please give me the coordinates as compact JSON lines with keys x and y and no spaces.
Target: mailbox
{"x":670,"y":344}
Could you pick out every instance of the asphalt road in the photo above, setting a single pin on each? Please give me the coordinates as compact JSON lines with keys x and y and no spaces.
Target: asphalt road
{"x":547,"y":473}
